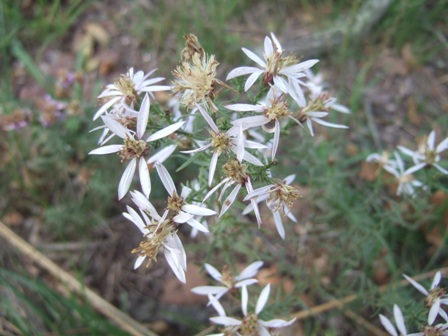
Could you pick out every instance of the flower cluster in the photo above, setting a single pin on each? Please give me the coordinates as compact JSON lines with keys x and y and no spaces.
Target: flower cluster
{"x":238,"y":142}
{"x":435,"y":297}
{"x":426,"y":156}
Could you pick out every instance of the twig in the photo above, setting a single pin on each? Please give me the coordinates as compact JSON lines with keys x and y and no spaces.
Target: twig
{"x":121,"y":319}
{"x":334,"y":304}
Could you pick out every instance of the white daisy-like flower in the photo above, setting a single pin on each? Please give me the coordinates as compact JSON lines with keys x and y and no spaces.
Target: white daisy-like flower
{"x":318,"y":107}
{"x":251,"y":323}
{"x":125,"y":92}
{"x":272,"y":111}
{"x":278,"y":70}
{"x":406,"y":181}
{"x":230,"y":282}
{"x":428,"y":154}
{"x":184,"y":212}
{"x":435,"y":296}
{"x":279,"y":197}
{"x":225,"y":142}
{"x":159,"y":234}
{"x":383,"y":160}
{"x":134,"y":148}
{"x":236,"y":173}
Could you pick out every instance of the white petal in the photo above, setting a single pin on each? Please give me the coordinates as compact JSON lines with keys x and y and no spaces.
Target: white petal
{"x":442,"y":146}
{"x":434,"y":311}
{"x":214,"y":273}
{"x":211,"y":172}
{"x":251,"y":80}
{"x":436,"y":280}
{"x":252,"y":159}
{"x":106,"y":150}
{"x":431,"y":140}
{"x":218,"y":307}
{"x":387,"y":324}
{"x":154,"y":88}
{"x":162,"y":154}
{"x":182,"y":217}
{"x":105,"y":107}
{"x":144,"y":204}
{"x":254,"y":57}
{"x":288,"y":179}
{"x":198,"y":210}
{"x":277,"y":323}
{"x":279,"y":224}
{"x":440,"y":169}
{"x":225,"y":320}
{"x":245,"y":107}
{"x":185,"y":192}
{"x":245,"y":283}
{"x":215,"y":188}
{"x":419,"y":287}
{"x":173,"y":260}
{"x":249,"y":122}
{"x":244,"y":300}
{"x":191,"y":151}
{"x":258,"y":192}
{"x":328,"y":124}
{"x":281,"y":84}
{"x":277,"y":44}
{"x":145,"y":180}
{"x":399,"y":320}
{"x":126,"y":178}
{"x":117,"y":128}
{"x":143,"y":115}
{"x":276,"y":139}
{"x":249,"y":271}
{"x":165,"y":131}
{"x":139,"y":261}
{"x":268,"y":48}
{"x":241,"y":71}
{"x":166,"y":179}
{"x":197,"y":225}
{"x":296,"y":68}
{"x":208,"y":119}
{"x":240,"y":144}
{"x":133,"y":216}
{"x":263,"y":298}
{"x":230,"y":199}
{"x":207,"y":290}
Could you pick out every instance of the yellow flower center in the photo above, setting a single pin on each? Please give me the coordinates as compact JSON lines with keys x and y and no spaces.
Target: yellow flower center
{"x":133,"y":149}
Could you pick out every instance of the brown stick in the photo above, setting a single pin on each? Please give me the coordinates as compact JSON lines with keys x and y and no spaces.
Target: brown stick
{"x":121,"y":319}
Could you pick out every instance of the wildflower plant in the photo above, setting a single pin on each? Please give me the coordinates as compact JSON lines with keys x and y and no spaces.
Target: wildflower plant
{"x":235,"y":145}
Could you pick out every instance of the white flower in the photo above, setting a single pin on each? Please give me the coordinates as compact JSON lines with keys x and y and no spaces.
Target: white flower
{"x":279,"y":197}
{"x":383,"y":160}
{"x":428,"y":154}
{"x":435,"y":296}
{"x":230,"y":141}
{"x":185,"y":212}
{"x":124,"y":93}
{"x":282,"y":72}
{"x":134,"y":148}
{"x":236,"y":175}
{"x":273,"y":110}
{"x":230,"y":282}
{"x":406,"y":181}
{"x":251,"y":324}
{"x":317,"y":108}
{"x":158,"y":235}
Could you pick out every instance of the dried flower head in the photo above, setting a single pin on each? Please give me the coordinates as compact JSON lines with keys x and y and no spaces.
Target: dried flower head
{"x":196,"y":80}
